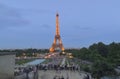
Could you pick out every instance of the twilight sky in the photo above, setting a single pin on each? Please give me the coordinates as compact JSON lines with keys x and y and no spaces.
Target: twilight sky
{"x":31,"y":23}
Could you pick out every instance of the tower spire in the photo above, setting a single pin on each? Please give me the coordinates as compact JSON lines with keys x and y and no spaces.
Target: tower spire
{"x":57,"y":24}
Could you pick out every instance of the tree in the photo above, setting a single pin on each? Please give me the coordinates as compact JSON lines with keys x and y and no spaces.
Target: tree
{"x":102,"y":68}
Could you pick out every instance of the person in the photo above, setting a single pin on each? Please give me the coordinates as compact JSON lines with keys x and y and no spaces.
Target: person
{"x":26,"y":70}
{"x":59,"y":77}
{"x":67,"y":76}
{"x":55,"y":77}
{"x":62,"y":77}
{"x":46,"y":68}
{"x":87,"y":77}
{"x":35,"y":71}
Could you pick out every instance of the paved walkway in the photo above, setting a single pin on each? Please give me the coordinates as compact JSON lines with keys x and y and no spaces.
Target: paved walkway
{"x":63,"y":61}
{"x":51,"y":73}
{"x":23,"y":76}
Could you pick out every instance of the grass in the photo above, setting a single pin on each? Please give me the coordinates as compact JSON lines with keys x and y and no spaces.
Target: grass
{"x":20,"y":62}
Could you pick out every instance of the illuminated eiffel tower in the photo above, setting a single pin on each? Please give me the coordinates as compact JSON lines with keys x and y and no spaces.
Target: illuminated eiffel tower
{"x":57,"y":40}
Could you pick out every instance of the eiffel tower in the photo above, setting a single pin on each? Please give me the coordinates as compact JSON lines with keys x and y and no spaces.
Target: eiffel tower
{"x":57,"y":40}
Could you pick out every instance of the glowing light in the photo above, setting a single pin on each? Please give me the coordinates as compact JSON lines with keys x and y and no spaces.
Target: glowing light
{"x":70,"y":56}
{"x":45,"y":57}
{"x":63,"y":52}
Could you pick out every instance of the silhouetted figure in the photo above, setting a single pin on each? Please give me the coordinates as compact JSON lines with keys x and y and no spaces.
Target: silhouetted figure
{"x":54,"y":77}
{"x":62,"y":77}
{"x":67,"y":76}
{"x":35,"y":71}
{"x":87,"y":77}
{"x":26,"y":70}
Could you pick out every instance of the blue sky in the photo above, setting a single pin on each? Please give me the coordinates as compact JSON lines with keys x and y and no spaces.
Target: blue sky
{"x":31,"y":23}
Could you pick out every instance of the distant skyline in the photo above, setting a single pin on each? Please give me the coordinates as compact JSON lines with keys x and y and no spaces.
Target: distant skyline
{"x":31,"y":23}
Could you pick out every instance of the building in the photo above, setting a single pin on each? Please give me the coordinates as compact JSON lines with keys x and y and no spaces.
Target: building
{"x":7,"y":63}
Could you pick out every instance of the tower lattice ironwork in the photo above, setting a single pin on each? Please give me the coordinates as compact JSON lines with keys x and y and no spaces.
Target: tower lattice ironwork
{"x":57,"y":40}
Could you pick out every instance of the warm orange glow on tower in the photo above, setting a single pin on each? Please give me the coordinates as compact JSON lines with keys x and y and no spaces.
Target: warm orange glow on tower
{"x":57,"y":37}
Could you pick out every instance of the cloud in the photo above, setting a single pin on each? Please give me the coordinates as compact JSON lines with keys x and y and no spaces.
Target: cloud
{"x":82,"y":27}
{"x":33,"y":10}
{"x":45,"y":26}
{"x":10,"y":17}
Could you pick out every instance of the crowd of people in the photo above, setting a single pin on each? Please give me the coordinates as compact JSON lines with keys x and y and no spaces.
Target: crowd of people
{"x":59,"y":77}
{"x":58,"y":67}
{"x":26,"y":71}
{"x":53,"y":65}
